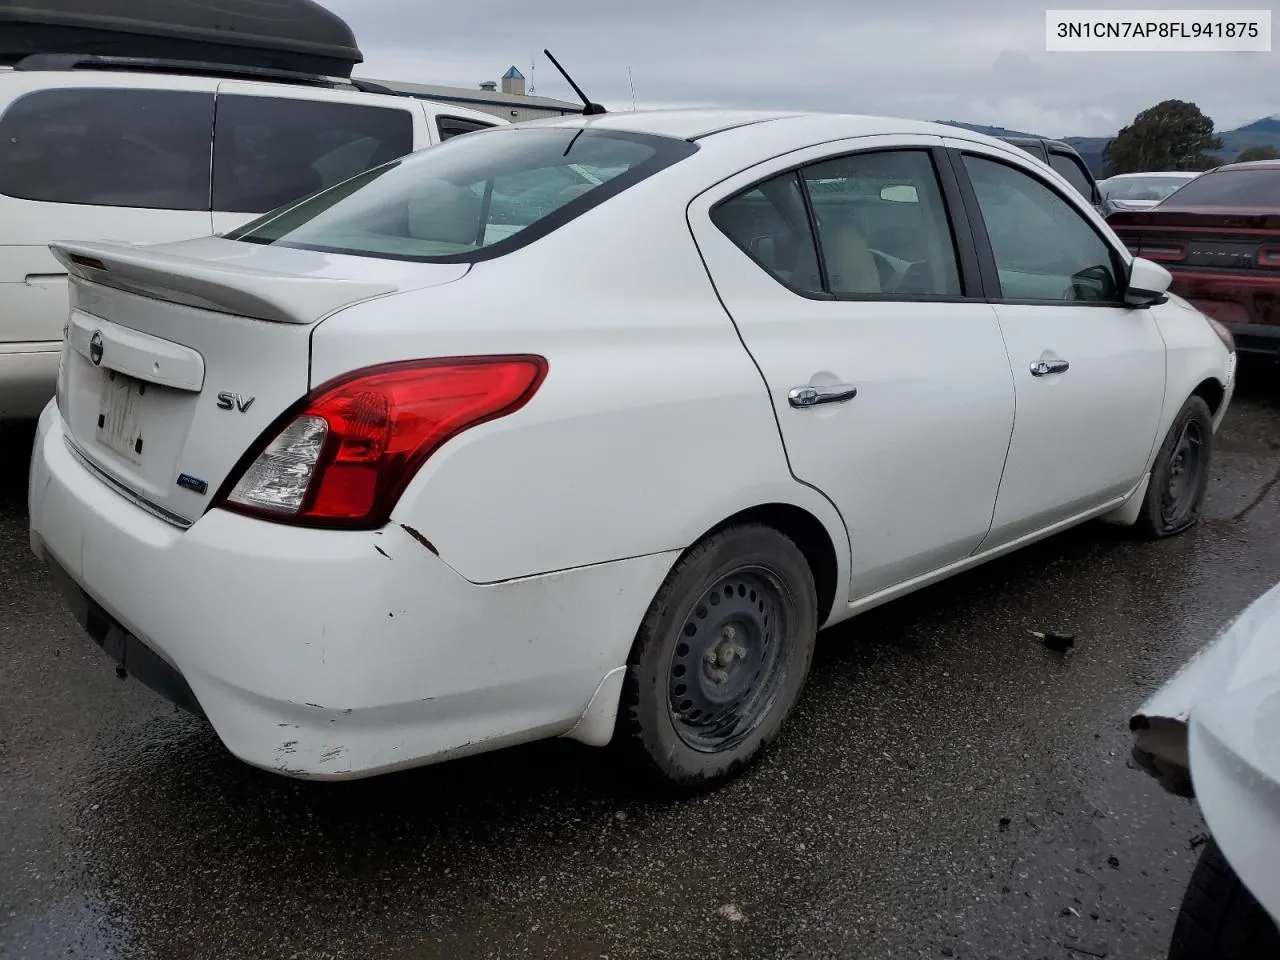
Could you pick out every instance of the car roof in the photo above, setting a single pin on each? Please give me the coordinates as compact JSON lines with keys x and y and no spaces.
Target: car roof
{"x":1155,"y":173}
{"x":700,"y":123}
{"x":1251,"y":165}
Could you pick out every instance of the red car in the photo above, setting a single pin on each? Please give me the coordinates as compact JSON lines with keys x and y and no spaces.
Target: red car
{"x":1220,"y":238}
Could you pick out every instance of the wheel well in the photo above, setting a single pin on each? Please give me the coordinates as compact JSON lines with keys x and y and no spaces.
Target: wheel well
{"x":1211,"y":392}
{"x":809,"y":535}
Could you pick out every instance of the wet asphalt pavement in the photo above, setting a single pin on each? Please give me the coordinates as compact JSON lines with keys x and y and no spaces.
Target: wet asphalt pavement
{"x":947,"y":788}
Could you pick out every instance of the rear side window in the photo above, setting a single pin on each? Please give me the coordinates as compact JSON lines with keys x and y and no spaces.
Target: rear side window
{"x":1073,"y":173}
{"x":268,"y":152}
{"x":882,"y":225}
{"x":472,"y":198}
{"x":109,"y":147}
{"x":1233,"y":188}
{"x":454,"y":126}
{"x":770,"y":224}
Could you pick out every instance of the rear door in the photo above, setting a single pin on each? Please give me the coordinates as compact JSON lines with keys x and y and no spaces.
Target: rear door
{"x":886,"y":367}
{"x":275,"y":144}
{"x":1088,"y":370}
{"x":107,"y":162}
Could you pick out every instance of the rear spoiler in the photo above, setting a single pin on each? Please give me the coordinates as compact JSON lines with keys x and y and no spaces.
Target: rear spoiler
{"x":214,"y":284}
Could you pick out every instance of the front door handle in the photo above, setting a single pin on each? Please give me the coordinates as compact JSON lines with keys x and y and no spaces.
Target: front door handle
{"x":1042,"y":368}
{"x":813,"y":394}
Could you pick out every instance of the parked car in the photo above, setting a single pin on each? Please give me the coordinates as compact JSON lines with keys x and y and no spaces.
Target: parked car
{"x":1064,"y":158}
{"x":1211,"y":732}
{"x":1220,"y":238}
{"x":120,"y":148}
{"x":410,"y":469}
{"x":1142,"y":191}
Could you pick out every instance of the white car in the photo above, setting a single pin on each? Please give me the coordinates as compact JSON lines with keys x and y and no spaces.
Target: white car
{"x":1142,"y":191}
{"x":1212,"y":732}
{"x":135,"y":149}
{"x":470,"y":451}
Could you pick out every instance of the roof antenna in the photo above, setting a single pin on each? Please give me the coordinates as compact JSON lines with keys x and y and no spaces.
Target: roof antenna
{"x":633,"y":89}
{"x":589,"y":108}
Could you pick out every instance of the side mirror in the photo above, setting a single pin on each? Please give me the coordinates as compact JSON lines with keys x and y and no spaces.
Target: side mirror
{"x":1148,"y":283}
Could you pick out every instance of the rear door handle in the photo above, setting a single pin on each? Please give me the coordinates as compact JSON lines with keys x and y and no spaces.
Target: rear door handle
{"x":1042,"y":368}
{"x":811,"y":395}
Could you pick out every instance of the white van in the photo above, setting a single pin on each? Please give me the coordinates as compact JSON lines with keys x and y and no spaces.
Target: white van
{"x":118,"y":148}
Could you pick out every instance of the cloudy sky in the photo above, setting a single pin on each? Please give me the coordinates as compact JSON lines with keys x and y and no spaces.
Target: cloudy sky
{"x":977,"y":60}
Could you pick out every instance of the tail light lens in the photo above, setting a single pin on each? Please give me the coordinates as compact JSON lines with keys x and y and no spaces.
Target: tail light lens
{"x":1269,"y":257}
{"x":344,"y":457}
{"x":1163,"y":252}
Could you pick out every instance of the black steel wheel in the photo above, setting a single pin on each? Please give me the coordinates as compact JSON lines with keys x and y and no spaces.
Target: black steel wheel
{"x":1180,"y":474}
{"x":720,"y":658}
{"x":727,"y":665}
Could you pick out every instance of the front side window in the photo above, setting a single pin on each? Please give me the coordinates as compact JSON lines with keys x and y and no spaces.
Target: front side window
{"x":269,"y":151}
{"x":470,"y":198}
{"x":109,"y":147}
{"x":882,"y":226}
{"x":1044,"y":248}
{"x":1073,"y":173}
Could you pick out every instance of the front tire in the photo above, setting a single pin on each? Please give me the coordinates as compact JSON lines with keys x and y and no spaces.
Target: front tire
{"x":1180,"y":474}
{"x":720,"y":657}
{"x":1219,"y":918}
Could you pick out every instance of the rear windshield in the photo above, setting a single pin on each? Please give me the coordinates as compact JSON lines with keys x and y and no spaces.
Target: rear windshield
{"x":1232,"y":188}
{"x":471,"y":198}
{"x":1144,"y":188}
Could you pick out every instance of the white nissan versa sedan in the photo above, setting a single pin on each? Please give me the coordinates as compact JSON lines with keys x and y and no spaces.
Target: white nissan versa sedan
{"x":584,"y":427}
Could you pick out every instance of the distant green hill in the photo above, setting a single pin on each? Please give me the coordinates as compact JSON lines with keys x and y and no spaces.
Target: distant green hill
{"x":1260,"y":133}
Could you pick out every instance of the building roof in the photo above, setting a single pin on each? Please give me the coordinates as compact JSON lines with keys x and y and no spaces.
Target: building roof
{"x":513,"y":74}
{"x":471,"y":94}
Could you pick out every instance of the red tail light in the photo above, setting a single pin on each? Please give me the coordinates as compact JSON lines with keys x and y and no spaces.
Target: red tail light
{"x":1269,"y":257}
{"x":1162,"y":251}
{"x":344,"y":457}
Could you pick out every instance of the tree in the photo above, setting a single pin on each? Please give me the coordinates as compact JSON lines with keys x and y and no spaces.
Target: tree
{"x":1258,"y":153}
{"x":1172,"y":135}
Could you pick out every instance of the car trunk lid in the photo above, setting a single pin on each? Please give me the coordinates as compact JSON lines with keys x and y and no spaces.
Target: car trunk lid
{"x":1199,"y":238}
{"x":1225,"y":261}
{"x":178,"y":357}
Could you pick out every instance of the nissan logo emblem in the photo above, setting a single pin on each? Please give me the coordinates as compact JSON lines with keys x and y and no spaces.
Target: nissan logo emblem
{"x":95,"y":347}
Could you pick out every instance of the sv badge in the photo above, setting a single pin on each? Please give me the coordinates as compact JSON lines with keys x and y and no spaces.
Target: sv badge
{"x":233,"y":401}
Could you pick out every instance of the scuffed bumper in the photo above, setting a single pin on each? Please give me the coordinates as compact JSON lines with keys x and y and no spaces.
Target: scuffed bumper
{"x":333,"y":654}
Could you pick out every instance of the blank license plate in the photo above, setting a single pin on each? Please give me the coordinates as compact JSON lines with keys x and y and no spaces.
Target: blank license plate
{"x":120,"y":414}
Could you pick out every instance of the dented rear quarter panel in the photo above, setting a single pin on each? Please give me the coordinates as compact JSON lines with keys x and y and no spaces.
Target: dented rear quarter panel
{"x":652,"y":426}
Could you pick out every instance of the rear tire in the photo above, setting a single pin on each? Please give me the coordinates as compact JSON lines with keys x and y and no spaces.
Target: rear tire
{"x":1219,"y":918}
{"x":720,"y":658}
{"x":1180,"y":474}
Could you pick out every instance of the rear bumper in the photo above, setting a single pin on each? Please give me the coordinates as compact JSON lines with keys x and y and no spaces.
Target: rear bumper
{"x":331,"y":654}
{"x":1248,"y":306}
{"x":28,"y":376}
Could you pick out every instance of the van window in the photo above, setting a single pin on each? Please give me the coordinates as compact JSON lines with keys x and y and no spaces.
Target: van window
{"x":108,"y":147}
{"x":1073,"y":173}
{"x":270,"y":151}
{"x":455,"y":126}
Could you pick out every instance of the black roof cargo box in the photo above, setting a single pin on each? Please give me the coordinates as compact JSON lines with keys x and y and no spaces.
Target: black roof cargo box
{"x":295,"y":35}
